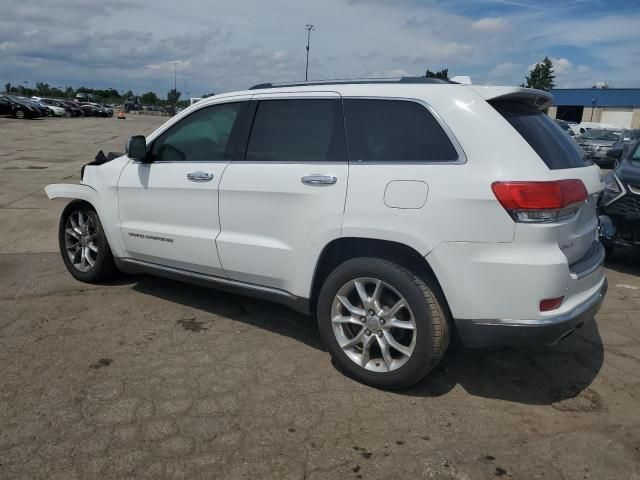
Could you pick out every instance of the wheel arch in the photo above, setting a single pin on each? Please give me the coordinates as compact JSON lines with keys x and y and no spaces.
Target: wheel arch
{"x":344,"y":248}
{"x":73,"y":192}
{"x":89,"y":195}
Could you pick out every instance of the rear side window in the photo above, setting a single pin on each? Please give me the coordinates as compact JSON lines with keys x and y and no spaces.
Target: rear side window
{"x":395,"y":130}
{"x":556,"y":149}
{"x":297,"y":131}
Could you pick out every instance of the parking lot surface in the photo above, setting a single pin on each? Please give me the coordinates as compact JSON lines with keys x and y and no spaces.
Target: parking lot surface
{"x":149,"y":378}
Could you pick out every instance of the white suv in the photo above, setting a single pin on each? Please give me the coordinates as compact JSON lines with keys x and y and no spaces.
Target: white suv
{"x":397,"y":212}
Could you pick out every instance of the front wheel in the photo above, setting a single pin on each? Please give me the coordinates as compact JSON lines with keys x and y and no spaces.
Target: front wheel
{"x":382,"y":324}
{"x":83,"y":244}
{"x":19,"y":114}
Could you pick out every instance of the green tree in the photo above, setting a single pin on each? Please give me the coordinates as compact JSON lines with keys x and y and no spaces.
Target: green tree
{"x":541,"y":76}
{"x":7,"y":87}
{"x":443,"y":74}
{"x":173,"y":96}
{"x":149,"y":98}
{"x":42,"y":88}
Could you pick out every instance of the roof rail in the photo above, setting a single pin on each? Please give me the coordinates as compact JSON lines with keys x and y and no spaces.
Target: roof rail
{"x":355,"y":81}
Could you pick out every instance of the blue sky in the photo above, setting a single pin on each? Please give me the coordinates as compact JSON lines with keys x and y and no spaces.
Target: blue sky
{"x":229,"y":45}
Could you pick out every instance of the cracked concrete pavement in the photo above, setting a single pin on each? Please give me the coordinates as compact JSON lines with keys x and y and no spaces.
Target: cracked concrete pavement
{"x":150,"y":378}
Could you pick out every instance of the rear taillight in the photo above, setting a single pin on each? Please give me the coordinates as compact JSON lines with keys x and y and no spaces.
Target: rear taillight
{"x":540,"y":202}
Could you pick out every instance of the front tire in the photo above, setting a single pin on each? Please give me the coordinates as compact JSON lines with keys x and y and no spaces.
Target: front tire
{"x":19,"y":114}
{"x":382,"y":324}
{"x":83,"y":244}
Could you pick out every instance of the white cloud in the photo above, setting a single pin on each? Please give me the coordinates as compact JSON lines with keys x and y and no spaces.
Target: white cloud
{"x":116,"y":43}
{"x":170,"y":65}
{"x":488,"y":24}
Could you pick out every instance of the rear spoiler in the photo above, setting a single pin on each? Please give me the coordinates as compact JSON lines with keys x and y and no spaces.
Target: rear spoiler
{"x":537,"y":98}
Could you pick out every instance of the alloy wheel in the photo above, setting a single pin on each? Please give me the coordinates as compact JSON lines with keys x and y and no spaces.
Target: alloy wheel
{"x":80,"y":239}
{"x":373,"y":324}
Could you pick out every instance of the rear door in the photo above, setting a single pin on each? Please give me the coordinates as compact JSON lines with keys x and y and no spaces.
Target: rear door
{"x":169,"y":207}
{"x":283,"y":198}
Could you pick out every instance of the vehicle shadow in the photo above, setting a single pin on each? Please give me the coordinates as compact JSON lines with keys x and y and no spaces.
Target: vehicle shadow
{"x":624,"y":261}
{"x":534,"y":376}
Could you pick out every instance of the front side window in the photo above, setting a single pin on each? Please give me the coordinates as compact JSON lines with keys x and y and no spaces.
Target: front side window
{"x":395,"y":130}
{"x":203,"y":135}
{"x":297,"y":130}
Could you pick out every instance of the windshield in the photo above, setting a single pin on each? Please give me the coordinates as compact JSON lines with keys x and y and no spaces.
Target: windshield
{"x":600,"y":134}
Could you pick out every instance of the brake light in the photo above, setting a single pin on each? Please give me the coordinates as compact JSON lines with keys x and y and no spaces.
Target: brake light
{"x":540,"y":202}
{"x":550,"y":304}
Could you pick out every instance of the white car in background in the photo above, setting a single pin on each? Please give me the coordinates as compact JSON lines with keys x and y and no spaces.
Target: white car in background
{"x":580,"y":128}
{"x":394,"y":211}
{"x":57,"y":110}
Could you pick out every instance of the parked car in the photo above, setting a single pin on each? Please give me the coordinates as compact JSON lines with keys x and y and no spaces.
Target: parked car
{"x":597,"y":142}
{"x":620,"y":201}
{"x":57,"y":110}
{"x":566,"y":126}
{"x":89,"y":110}
{"x":627,"y":140}
{"x":11,"y":105}
{"x":371,"y":205}
{"x":582,"y":127}
{"x":65,"y":109}
{"x":44,"y":110}
{"x":72,"y":108}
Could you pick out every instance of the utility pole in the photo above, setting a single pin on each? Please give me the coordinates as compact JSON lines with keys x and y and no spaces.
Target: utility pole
{"x":175,"y":69}
{"x":309,"y":27}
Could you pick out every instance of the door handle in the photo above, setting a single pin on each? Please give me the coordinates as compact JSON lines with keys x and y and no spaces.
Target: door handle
{"x":200,"y":176}
{"x":316,"y":179}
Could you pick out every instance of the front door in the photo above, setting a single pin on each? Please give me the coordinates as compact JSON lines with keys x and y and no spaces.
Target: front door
{"x":283,"y":200}
{"x":169,"y":207}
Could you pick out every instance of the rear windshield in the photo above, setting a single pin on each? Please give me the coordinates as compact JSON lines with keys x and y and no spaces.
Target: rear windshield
{"x":556,"y":149}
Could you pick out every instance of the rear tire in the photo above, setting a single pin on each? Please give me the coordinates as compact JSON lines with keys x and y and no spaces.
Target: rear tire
{"x":374,"y":341}
{"x":19,"y":114}
{"x":83,"y":244}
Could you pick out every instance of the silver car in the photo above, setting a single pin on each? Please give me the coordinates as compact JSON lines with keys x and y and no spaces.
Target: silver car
{"x":597,"y":142}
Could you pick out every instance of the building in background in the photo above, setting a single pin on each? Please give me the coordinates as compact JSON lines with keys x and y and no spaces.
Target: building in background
{"x":619,"y":107}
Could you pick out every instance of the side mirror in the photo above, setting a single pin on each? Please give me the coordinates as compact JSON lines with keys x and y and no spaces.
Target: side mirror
{"x":137,"y":148}
{"x":614,"y":153}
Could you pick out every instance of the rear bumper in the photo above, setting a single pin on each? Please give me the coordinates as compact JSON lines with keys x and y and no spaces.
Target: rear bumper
{"x":548,"y":331}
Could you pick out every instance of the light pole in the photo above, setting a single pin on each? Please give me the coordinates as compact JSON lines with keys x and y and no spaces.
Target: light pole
{"x":175,"y":69}
{"x":306,"y":70}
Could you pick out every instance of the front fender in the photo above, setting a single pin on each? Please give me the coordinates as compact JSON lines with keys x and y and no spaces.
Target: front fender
{"x":108,"y":216}
{"x":75,"y":191}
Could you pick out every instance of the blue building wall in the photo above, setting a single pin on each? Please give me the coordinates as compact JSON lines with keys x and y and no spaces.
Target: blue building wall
{"x":600,"y":97}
